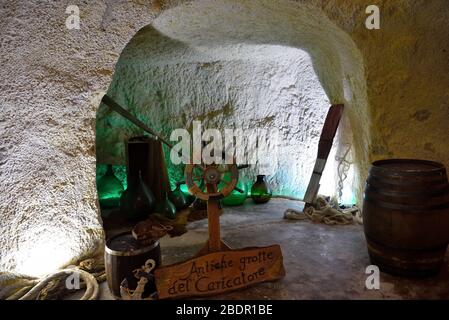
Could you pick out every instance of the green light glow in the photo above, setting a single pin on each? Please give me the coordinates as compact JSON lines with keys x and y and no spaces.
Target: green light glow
{"x":109,"y":186}
{"x":185,"y":190}
{"x":236,"y":198}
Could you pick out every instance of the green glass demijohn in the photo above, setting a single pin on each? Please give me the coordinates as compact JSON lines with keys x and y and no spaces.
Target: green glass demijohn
{"x":137,"y":202}
{"x":236,"y":198}
{"x":261,"y":191}
{"x":166,"y":207}
{"x":185,"y":190}
{"x":109,"y":189}
{"x":199,"y":204}
{"x":178,"y":198}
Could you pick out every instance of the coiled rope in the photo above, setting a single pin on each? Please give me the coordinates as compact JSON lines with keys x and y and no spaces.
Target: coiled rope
{"x":54,"y":286}
{"x":326,"y":212}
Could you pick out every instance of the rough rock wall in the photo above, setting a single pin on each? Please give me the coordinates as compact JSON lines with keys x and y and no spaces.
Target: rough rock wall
{"x":336,"y":59}
{"x":52,"y":79}
{"x":407,"y":74}
{"x":246,"y":87}
{"x":51,"y":82}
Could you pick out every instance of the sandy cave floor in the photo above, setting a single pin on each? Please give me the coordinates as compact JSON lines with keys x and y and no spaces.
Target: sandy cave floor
{"x":321,"y":262}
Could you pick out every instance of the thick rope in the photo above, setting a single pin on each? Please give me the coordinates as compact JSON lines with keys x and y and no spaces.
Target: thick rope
{"x":92,"y":288}
{"x":342,"y":169}
{"x":53,"y":286}
{"x":325,"y":212}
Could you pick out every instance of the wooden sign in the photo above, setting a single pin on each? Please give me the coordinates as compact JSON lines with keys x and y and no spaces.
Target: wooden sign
{"x":219,"y":272}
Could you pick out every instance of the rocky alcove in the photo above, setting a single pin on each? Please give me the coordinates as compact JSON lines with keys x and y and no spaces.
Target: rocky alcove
{"x":250,"y":63}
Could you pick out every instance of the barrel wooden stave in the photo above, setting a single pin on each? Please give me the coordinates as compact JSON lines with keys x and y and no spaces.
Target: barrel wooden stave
{"x":121,"y":264}
{"x":406,"y":216}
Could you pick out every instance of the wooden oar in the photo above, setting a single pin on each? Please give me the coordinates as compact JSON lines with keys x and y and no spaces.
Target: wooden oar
{"x":324,"y":147}
{"x":125,"y":113}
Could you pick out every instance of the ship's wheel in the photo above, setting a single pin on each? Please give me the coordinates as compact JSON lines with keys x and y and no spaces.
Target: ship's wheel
{"x":198,"y":175}
{"x":202,"y":181}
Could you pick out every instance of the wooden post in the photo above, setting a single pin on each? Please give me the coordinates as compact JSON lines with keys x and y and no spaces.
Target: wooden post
{"x":324,"y":147}
{"x":217,"y":268}
{"x":126,"y":114}
{"x":213,"y":216}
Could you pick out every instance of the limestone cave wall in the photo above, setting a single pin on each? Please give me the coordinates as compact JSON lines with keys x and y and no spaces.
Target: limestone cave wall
{"x":246,"y":87}
{"x":394,"y":82}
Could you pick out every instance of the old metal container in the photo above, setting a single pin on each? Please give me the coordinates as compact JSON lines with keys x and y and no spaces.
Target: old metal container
{"x":406,"y":216}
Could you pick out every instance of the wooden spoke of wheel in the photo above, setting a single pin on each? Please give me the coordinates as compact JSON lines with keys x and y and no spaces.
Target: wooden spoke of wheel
{"x":206,"y":195}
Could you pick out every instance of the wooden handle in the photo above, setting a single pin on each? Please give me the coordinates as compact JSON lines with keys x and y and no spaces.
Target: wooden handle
{"x":126,"y":114}
{"x":213,"y":216}
{"x":329,"y":130}
{"x":324,"y":147}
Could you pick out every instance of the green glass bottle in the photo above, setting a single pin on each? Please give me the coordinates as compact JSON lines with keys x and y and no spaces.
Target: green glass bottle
{"x":190,"y":197}
{"x":178,"y":198}
{"x":137,"y":202}
{"x":261,"y":191}
{"x":199,"y":204}
{"x":166,"y":207}
{"x":236,"y":198}
{"x":109,"y":189}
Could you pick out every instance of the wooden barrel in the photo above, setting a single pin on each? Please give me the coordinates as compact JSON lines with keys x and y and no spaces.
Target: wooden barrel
{"x":406,"y":216}
{"x":123,"y":255}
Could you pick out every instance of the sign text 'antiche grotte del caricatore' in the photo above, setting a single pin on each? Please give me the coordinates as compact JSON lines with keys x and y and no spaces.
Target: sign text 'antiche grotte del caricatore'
{"x":220,"y":272}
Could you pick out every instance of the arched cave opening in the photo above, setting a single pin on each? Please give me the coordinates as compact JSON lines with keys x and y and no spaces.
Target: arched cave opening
{"x":184,"y":68}
{"x":229,"y":64}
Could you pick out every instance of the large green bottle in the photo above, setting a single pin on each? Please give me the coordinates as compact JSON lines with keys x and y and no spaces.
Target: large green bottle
{"x":261,"y":191}
{"x":109,"y":189}
{"x":236,"y":198}
{"x":178,"y":198}
{"x":185,"y":190}
{"x":166,"y":207}
{"x":199,"y":204}
{"x":137,"y":202}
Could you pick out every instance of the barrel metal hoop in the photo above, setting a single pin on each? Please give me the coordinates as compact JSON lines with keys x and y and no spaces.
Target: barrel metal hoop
{"x":412,"y":207}
{"x":403,"y":194}
{"x":398,"y":179}
{"x":373,"y":243}
{"x":436,"y":167}
{"x":130,"y":253}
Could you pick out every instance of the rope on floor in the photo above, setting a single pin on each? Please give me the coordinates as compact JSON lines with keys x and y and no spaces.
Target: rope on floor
{"x":327,"y":212}
{"x":53,"y":286}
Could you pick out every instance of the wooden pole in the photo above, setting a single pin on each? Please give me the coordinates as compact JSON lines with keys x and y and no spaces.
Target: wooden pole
{"x":125,"y":113}
{"x":213,"y":216}
{"x":324,"y":147}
